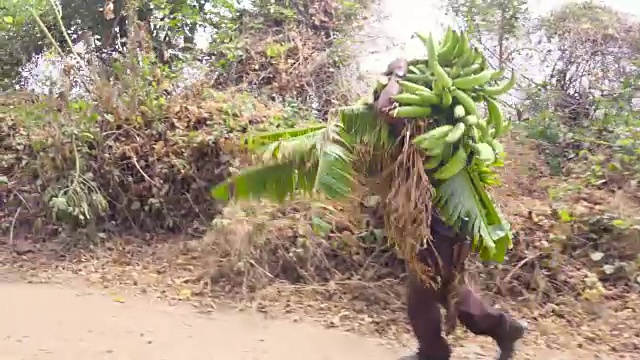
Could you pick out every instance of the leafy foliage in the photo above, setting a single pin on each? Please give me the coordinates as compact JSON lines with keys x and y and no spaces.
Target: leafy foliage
{"x":312,"y":160}
{"x":319,"y":159}
{"x":584,"y":113}
{"x":463,"y":202}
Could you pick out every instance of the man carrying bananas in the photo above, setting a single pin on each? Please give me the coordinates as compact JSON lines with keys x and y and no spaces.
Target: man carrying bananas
{"x":450,"y":250}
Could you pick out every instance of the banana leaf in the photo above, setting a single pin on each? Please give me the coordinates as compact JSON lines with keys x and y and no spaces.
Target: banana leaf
{"x":464,"y":204}
{"x":315,"y":160}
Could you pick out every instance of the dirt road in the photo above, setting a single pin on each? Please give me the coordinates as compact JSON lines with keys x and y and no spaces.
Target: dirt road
{"x":45,"y":321}
{"x":56,"y":322}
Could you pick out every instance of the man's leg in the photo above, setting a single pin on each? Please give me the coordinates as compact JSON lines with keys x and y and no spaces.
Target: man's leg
{"x":482,"y":319}
{"x":425,"y":319}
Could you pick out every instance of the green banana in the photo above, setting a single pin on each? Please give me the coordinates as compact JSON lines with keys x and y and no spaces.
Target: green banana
{"x":479,"y":56}
{"x":474,"y":134}
{"x":449,"y":47}
{"x":432,"y":50}
{"x":470,"y":120}
{"x":435,"y":151}
{"x":458,"y":111}
{"x":437,"y":133}
{"x":441,"y":76}
{"x":463,"y":46}
{"x":433,"y":162}
{"x":484,"y":64}
{"x":434,"y":147}
{"x":471,"y":81}
{"x":457,"y":162}
{"x":484,"y":131}
{"x":415,"y":62}
{"x":421,"y":79}
{"x":501,"y":88}
{"x":497,"y":147}
{"x":506,"y":126}
{"x":495,"y":115}
{"x":446,"y":153}
{"x":411,"y":111}
{"x":413,"y":70}
{"x":489,"y":180}
{"x":465,"y":100}
{"x":428,"y":97}
{"x":470,"y":70}
{"x":453,"y":72}
{"x":446,"y":38}
{"x":497,"y":75}
{"x":423,"y":68}
{"x":409,"y":87}
{"x":467,"y":59}
{"x":446,"y":97}
{"x":437,"y":87}
{"x":408,"y":99}
{"x":455,"y":134}
{"x":484,"y":152}
{"x":484,"y":169}
{"x":476,"y":97}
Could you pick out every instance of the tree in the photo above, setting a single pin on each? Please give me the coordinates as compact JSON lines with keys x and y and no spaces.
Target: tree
{"x":493,"y":23}
{"x":171,"y":24}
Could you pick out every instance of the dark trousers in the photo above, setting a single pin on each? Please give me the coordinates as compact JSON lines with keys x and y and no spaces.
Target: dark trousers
{"x":450,"y":251}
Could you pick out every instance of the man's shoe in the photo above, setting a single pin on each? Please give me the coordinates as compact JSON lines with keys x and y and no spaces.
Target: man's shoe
{"x":507,"y":345}
{"x":433,"y":357}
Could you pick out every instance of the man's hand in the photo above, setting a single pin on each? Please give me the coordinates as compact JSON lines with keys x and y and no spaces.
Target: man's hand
{"x":384,"y":103}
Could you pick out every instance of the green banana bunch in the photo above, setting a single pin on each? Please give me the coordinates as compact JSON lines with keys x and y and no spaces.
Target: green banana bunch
{"x":442,"y":93}
{"x":446,"y":88}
